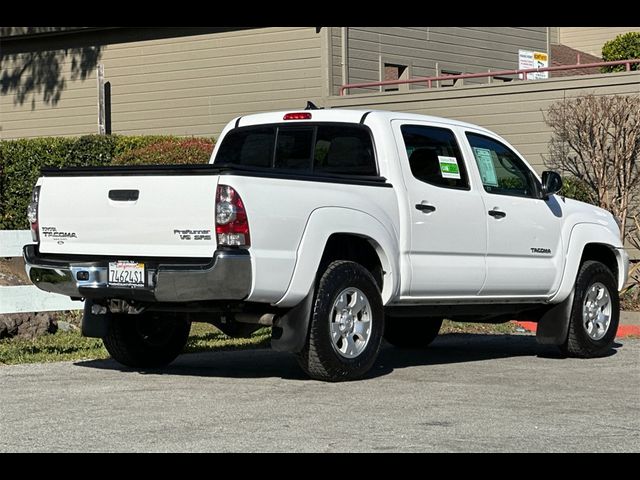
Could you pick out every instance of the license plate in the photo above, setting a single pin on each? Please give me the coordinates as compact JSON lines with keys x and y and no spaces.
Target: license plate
{"x":126,"y":274}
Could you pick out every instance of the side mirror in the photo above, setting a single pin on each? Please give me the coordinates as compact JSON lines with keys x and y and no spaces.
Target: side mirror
{"x":551,"y":183}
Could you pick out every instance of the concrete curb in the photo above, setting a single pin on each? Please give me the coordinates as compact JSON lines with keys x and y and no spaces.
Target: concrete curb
{"x":629,"y":318}
{"x":629,"y":325}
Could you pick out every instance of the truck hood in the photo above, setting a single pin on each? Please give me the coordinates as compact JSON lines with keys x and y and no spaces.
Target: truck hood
{"x":580,"y":212}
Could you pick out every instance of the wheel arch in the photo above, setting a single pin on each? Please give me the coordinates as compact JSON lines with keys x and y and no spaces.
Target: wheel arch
{"x":336,"y":233}
{"x":602,"y":253}
{"x":591,"y":242}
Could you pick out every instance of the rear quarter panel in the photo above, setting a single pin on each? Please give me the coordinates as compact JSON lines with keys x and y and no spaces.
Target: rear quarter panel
{"x":283,"y":211}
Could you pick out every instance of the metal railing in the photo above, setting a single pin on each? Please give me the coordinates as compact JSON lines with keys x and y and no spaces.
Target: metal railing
{"x":499,"y":73}
{"x":27,"y":298}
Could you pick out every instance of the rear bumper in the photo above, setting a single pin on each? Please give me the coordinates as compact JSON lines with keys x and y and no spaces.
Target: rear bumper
{"x":225,"y":277}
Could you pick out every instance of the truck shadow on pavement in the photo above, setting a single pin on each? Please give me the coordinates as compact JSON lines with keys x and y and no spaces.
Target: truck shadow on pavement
{"x":266,"y":363}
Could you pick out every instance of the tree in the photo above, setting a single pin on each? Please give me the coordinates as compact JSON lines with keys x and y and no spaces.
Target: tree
{"x":597,"y":140}
{"x":623,"y":47}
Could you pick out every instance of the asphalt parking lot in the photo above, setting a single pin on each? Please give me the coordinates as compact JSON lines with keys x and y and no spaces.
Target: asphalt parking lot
{"x":465,"y":393}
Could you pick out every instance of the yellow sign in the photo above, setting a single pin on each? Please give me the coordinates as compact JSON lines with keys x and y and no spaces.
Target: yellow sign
{"x":528,"y":60}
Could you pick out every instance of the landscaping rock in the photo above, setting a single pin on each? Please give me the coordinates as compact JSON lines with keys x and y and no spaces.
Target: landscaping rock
{"x":12,"y":272}
{"x":66,"y":326}
{"x":27,"y":325}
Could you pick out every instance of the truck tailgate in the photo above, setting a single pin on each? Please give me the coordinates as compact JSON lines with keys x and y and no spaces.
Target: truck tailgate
{"x":144,"y":215}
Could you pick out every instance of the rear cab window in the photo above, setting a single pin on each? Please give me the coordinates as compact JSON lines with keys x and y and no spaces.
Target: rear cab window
{"x":314,"y":149}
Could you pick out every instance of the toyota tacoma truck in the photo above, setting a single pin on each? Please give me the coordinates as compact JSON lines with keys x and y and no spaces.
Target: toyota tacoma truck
{"x":336,"y":228}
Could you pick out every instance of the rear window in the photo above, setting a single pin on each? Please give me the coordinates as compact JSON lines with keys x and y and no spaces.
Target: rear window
{"x":344,"y":149}
{"x":248,"y":147}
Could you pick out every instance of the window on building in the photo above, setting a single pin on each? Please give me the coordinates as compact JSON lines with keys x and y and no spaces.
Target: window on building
{"x":448,"y":83}
{"x":394,"y":71}
{"x":434,"y":156}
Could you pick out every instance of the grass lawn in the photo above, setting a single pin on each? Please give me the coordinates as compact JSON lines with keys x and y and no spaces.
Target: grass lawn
{"x":70,"y":346}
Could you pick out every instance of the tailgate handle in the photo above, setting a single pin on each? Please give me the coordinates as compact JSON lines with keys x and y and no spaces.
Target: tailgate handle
{"x":124,"y":195}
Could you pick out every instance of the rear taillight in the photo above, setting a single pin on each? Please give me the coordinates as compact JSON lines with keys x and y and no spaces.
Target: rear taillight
{"x":232,"y":226}
{"x":32,"y":214}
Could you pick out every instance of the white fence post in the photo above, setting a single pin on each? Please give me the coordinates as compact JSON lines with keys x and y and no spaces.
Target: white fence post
{"x":12,"y":241}
{"x":27,"y":298}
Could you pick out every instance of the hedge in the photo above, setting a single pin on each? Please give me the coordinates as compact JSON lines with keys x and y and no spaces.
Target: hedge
{"x":182,"y":151}
{"x":21,"y":161}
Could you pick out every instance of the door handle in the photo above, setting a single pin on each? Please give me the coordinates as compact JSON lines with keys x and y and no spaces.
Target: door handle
{"x":124,"y":195}
{"x":497,"y":213}
{"x":425,"y":208}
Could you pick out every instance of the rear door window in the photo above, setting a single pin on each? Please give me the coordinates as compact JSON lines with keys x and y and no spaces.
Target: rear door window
{"x":434,"y":156}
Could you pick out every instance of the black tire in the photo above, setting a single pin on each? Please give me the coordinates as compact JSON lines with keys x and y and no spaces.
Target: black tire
{"x":411,"y":332}
{"x":148,"y":340}
{"x":320,"y":358}
{"x":579,"y":343}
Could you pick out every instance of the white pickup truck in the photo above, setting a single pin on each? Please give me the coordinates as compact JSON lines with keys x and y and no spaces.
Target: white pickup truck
{"x":338,"y":228}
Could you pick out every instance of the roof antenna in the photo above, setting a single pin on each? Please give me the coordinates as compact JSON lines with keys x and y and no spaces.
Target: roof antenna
{"x":311,"y":106}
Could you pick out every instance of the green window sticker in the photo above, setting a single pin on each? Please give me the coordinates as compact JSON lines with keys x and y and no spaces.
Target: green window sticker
{"x":449,"y":167}
{"x":484,"y":159}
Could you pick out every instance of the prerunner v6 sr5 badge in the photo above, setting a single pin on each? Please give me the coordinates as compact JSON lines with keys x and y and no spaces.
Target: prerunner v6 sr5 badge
{"x":193,"y":234}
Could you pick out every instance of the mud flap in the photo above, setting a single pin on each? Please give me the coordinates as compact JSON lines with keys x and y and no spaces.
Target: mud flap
{"x":289,"y":332}
{"x":94,"y":326}
{"x":553,"y":326}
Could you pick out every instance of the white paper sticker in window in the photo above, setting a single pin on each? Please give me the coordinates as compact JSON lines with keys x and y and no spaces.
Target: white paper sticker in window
{"x":449,"y":167}
{"x":484,"y":159}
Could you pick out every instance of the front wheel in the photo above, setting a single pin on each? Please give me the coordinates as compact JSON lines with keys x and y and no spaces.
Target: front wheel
{"x":346,"y":326}
{"x":595,"y":312}
{"x":148,"y":340}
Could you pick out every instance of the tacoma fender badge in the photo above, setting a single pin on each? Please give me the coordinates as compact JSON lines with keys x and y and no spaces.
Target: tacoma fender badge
{"x":541,"y":250}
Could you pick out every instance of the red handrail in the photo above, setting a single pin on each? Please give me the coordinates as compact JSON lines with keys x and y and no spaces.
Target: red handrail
{"x":429,"y":80}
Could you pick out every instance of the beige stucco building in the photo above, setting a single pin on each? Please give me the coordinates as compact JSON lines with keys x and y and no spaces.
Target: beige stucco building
{"x":587,"y":39}
{"x":192,"y":80}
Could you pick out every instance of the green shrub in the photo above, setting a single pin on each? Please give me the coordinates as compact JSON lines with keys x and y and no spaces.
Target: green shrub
{"x":125,"y":144}
{"x":623,"y":47}
{"x":21,"y":161}
{"x":90,"y":150}
{"x":171,"y":152}
{"x":576,"y":189}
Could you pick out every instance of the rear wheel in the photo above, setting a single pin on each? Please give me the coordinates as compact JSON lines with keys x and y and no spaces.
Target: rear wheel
{"x":411,"y":332}
{"x":595,"y":312}
{"x":151,"y":339}
{"x":346,"y":325}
